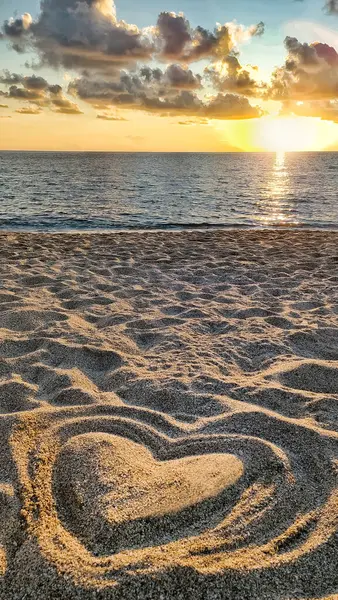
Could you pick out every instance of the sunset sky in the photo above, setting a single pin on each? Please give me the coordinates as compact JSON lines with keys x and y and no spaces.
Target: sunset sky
{"x":169,"y":75}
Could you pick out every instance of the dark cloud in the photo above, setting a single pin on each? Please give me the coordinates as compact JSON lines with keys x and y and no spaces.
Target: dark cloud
{"x":231,"y":106}
{"x":60,"y":103}
{"x":79,"y":34}
{"x":86,"y":34}
{"x":150,"y":74}
{"x":38,"y":92}
{"x":182,"y":78}
{"x":136,"y":88}
{"x":331,"y":7}
{"x":106,"y":92}
{"x":8,"y":78}
{"x":132,"y":92}
{"x":208,"y":43}
{"x":185,"y":102}
{"x":230,"y":76}
{"x":32,"y":82}
{"x":21,"y":93}
{"x":15,"y":28}
{"x":174,"y":32}
{"x":179,"y":41}
{"x":310,"y":73}
{"x":326,"y":52}
{"x":35,"y":83}
{"x":175,"y":76}
{"x":299,"y":54}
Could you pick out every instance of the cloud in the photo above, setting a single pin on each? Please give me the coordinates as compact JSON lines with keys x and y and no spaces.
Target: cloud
{"x":109,"y":117}
{"x":185,"y":102}
{"x":28,"y":110}
{"x":328,"y":53}
{"x":60,"y":103}
{"x":21,"y":93}
{"x":231,"y":106}
{"x":229,"y":75}
{"x":79,"y":34}
{"x":149,"y":74}
{"x":17,"y":27}
{"x":30,"y":88}
{"x":331,"y":7}
{"x":221,"y":106}
{"x":38,"y":92}
{"x":86,"y":34}
{"x":310,"y":73}
{"x":174,"y":33}
{"x":325,"y":110}
{"x":106,"y":92}
{"x":34,"y":83}
{"x":182,"y":78}
{"x":8,"y":78}
{"x":69,"y":110}
{"x":194,"y":122}
{"x":143,"y":94}
{"x":179,"y":41}
{"x":133,"y":88}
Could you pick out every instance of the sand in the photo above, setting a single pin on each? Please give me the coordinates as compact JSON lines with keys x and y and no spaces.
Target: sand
{"x":168,"y":415}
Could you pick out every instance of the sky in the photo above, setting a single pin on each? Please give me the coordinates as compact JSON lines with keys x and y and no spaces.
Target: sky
{"x":169,"y":75}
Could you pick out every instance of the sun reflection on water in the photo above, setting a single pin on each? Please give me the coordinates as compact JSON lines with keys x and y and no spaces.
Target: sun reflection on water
{"x":276,"y":205}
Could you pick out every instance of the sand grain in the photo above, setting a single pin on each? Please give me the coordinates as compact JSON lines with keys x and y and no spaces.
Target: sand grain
{"x":168,"y":415}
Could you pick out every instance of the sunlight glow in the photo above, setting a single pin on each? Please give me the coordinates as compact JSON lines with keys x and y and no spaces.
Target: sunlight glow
{"x":274,"y":133}
{"x":290,"y":134}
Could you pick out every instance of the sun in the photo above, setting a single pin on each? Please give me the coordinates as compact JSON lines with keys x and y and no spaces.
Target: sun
{"x":279,"y":134}
{"x":290,"y":134}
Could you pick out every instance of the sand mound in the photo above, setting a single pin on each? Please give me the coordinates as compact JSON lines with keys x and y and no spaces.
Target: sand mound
{"x":28,"y":320}
{"x":168,"y":416}
{"x":16,"y":396}
{"x":114,"y":495}
{"x":314,"y":377}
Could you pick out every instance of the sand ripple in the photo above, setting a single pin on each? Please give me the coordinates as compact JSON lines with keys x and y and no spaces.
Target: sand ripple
{"x":168,"y":416}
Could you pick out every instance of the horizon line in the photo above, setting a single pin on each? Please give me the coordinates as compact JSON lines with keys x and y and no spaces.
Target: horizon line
{"x":172,"y":151}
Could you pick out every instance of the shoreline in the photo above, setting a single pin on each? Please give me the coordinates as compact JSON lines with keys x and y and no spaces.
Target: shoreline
{"x":168,"y":414}
{"x":170,"y":228}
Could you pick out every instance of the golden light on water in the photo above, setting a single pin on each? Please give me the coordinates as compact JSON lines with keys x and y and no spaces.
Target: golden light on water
{"x":276,"y":205}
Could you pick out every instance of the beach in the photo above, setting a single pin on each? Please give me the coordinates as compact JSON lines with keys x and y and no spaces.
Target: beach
{"x":168,"y":415}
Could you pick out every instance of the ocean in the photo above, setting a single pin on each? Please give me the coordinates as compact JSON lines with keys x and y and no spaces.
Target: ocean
{"x":56,"y":191}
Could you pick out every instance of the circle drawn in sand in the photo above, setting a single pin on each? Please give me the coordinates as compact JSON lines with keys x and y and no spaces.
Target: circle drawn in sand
{"x":105,"y":495}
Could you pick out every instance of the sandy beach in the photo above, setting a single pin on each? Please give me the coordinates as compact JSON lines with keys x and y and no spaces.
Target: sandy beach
{"x":168,"y":415}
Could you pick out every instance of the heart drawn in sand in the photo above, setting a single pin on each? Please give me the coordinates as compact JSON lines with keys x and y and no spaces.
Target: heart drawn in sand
{"x":112,"y":493}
